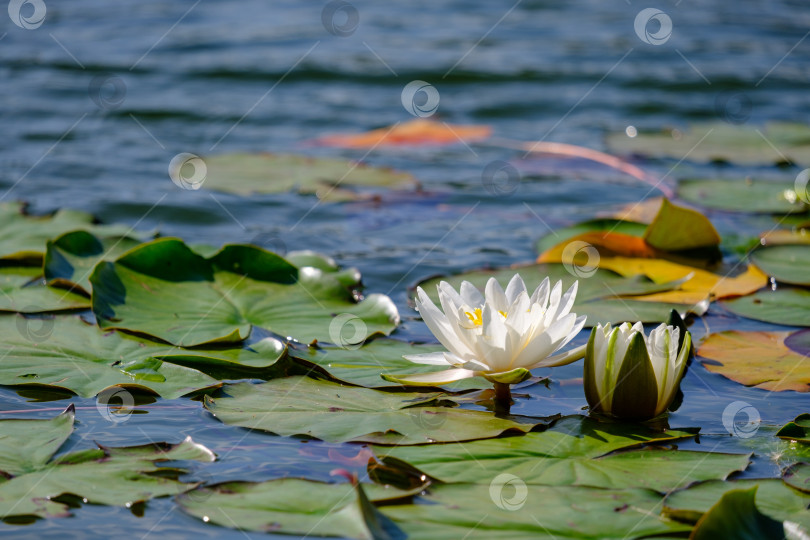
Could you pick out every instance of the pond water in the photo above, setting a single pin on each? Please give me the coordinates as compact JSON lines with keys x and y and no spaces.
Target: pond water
{"x":213,"y":77}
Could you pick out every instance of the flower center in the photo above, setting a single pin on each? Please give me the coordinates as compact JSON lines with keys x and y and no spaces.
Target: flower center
{"x":477,"y":318}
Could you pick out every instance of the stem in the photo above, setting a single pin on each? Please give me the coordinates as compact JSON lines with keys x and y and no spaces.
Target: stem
{"x":503,"y":395}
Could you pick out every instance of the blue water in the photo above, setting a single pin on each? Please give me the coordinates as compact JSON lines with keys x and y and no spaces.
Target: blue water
{"x":214,"y":77}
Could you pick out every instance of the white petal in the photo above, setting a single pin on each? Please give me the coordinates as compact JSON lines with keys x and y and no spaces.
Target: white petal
{"x":567,"y":301}
{"x":515,"y":287}
{"x":495,"y":296}
{"x":540,"y":295}
{"x":553,"y":303}
{"x":438,"y":324}
{"x":536,"y":350}
{"x":579,"y":324}
{"x":427,"y":379}
{"x":471,"y":296}
{"x":434,"y":359}
{"x":448,"y":296}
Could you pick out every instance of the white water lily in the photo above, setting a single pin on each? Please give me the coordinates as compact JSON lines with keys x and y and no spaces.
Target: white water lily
{"x":499,"y":334}
{"x":630,"y":375}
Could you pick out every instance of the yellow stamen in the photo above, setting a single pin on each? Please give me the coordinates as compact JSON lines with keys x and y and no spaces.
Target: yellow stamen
{"x":477,"y":318}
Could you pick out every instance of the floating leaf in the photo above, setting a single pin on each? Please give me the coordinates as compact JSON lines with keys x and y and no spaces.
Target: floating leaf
{"x":417,"y":132}
{"x":287,"y":506}
{"x":785,"y":236}
{"x":166,"y":290}
{"x":627,"y":228}
{"x":603,"y":296}
{"x":773,"y":498}
{"x":575,"y":451}
{"x":753,"y":196}
{"x":758,"y":359}
{"x":743,"y":145}
{"x":336,"y":413}
{"x":798,"y":476}
{"x":640,"y":211}
{"x":787,"y":306}
{"x":23,"y":237}
{"x":676,"y":228}
{"x":22,"y":291}
{"x":68,"y":354}
{"x":70,"y":259}
{"x":327,"y":178}
{"x":111,"y":476}
{"x":736,"y":516}
{"x":364,"y":366}
{"x":787,"y":263}
{"x":797,"y":430}
{"x":507,"y":508}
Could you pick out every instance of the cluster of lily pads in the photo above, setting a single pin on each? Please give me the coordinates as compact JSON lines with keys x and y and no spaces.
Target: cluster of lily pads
{"x":260,"y":339}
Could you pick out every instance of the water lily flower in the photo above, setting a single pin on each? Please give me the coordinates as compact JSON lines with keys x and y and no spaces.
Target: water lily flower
{"x":499,"y":335}
{"x":630,"y":375}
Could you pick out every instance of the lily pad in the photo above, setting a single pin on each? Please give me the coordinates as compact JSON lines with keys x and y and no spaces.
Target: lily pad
{"x":575,"y":451}
{"x":110,"y":476}
{"x":798,"y":476}
{"x":24,"y":237}
{"x":287,"y":506}
{"x":774,"y":499}
{"x":516,"y":510}
{"x":742,"y":145}
{"x":22,"y":290}
{"x":787,"y":263}
{"x":797,"y":430}
{"x":677,"y":228}
{"x":758,"y":359}
{"x":70,"y":259}
{"x":245,"y":174}
{"x":736,"y":516}
{"x":787,"y":306}
{"x":630,"y":228}
{"x":416,"y":132}
{"x":164,"y":289}
{"x":68,"y":354}
{"x":364,"y":366}
{"x":604,"y":296}
{"x":743,"y":195}
{"x":337,"y":413}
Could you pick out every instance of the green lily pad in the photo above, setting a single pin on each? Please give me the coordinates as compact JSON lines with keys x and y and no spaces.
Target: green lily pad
{"x":797,"y":430}
{"x":788,"y":264}
{"x":22,"y":290}
{"x":575,"y":451}
{"x":736,"y":516}
{"x":382,"y":356}
{"x":24,"y":237}
{"x":630,"y":228}
{"x":520,"y":511}
{"x":740,"y":144}
{"x":743,"y":195}
{"x":332,"y":179}
{"x":337,"y":413}
{"x":164,"y":289}
{"x":798,"y":476}
{"x":70,"y":259}
{"x":110,"y":476}
{"x":787,"y":306}
{"x":68,"y":354}
{"x":287,"y":506}
{"x":604,"y":296}
{"x":773,"y":498}
{"x":20,"y":455}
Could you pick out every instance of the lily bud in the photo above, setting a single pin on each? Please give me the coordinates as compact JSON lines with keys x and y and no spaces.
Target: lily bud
{"x":630,"y":375}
